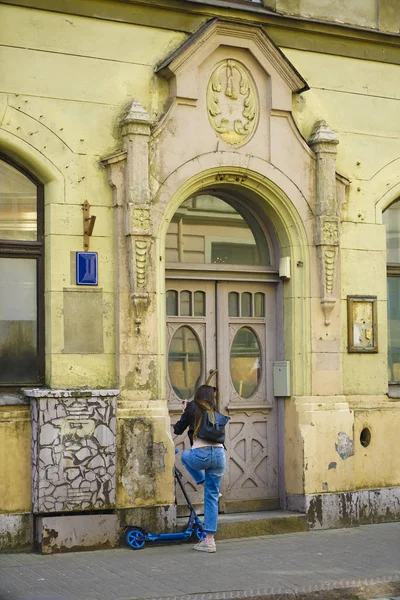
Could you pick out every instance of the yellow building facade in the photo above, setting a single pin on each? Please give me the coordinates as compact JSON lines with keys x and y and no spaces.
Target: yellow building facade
{"x":194,"y":190}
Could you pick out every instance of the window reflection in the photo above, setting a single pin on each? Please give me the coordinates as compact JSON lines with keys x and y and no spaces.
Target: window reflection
{"x":172,"y":303}
{"x":18,"y":321}
{"x":185,"y":304}
{"x":18,"y":205}
{"x":184,"y":362}
{"x":259,"y":304}
{"x":207,"y":229}
{"x":246,"y":305}
{"x":245,"y":362}
{"x":199,"y":304}
{"x":393,"y":284}
{"x":233,"y":304}
{"x":391,"y":218}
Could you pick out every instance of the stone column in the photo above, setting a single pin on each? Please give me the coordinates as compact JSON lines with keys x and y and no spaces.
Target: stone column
{"x":145,"y":449}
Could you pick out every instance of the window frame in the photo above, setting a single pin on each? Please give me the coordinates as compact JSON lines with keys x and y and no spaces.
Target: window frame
{"x":392,"y":271}
{"x":34,"y":250}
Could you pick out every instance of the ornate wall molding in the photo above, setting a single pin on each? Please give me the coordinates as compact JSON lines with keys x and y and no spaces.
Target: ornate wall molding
{"x":327,"y":223}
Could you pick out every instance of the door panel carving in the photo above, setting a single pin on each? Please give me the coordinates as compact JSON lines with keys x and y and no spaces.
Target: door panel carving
{"x":247,"y":456}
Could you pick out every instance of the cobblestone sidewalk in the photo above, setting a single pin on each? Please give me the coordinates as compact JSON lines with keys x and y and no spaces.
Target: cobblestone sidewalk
{"x":360,"y":563}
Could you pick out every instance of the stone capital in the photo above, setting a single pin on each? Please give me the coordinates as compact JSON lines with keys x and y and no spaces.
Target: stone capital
{"x":322,"y":138}
{"x":136,"y":120}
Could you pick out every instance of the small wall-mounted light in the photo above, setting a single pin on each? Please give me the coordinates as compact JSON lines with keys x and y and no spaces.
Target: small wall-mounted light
{"x":284,"y":268}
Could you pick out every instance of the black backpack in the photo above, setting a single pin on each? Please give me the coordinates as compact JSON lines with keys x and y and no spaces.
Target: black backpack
{"x":212,"y":431}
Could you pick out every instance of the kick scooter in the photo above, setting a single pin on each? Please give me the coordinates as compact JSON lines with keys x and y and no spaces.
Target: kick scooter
{"x":136,"y":537}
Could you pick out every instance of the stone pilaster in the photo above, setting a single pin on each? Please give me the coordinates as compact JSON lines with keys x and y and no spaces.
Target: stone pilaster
{"x":136,"y":132}
{"x":324,"y":142}
{"x":145,"y":457}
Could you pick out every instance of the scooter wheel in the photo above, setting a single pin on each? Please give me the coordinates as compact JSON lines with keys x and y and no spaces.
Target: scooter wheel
{"x":135,"y":538}
{"x":199,"y":532}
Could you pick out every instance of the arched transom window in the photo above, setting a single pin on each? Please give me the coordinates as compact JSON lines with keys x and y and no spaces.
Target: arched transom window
{"x":207,"y":229}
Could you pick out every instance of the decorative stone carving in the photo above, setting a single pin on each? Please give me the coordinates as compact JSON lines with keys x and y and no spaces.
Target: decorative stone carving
{"x":327,"y":223}
{"x":329,"y":259}
{"x":141,"y":263}
{"x":73,"y":449}
{"x":232,"y":102}
{"x":327,"y":231}
{"x":231,"y":177}
{"x":141,"y":219}
{"x":136,"y":132}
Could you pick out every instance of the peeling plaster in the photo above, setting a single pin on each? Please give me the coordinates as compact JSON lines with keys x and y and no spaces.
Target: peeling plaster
{"x":140,"y":460}
{"x":332,"y":465}
{"x":344,"y":446}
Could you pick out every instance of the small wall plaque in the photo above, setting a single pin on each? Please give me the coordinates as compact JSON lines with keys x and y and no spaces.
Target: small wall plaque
{"x":362,"y":324}
{"x":86,"y":268}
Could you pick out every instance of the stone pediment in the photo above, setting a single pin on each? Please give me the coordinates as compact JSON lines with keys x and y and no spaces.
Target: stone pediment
{"x":230,"y":91}
{"x":217,"y":36}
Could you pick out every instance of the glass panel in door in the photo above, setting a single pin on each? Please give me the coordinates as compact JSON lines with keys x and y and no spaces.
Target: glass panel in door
{"x":191,"y":355}
{"x":245,"y":353}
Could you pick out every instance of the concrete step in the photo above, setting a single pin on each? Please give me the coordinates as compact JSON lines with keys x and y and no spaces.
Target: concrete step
{"x":252,"y":524}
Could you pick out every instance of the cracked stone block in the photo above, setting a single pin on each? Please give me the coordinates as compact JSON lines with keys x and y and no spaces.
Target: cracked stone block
{"x":76,"y":483}
{"x":60,"y":491}
{"x":72,"y":474}
{"x":82,"y":454}
{"x":46,"y":434}
{"x":94,"y":486}
{"x":104,"y":435}
{"x":73,"y":449}
{"x":45,"y":456}
{"x":96,"y":462}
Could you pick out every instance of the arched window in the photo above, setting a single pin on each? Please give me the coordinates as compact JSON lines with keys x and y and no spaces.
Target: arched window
{"x":391,"y":218}
{"x":207,"y":229}
{"x":21,"y":276}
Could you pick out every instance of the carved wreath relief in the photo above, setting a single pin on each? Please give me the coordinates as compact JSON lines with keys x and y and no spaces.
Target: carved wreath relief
{"x":232,"y":102}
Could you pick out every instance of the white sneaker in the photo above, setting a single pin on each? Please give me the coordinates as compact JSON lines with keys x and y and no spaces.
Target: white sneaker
{"x":205,"y":546}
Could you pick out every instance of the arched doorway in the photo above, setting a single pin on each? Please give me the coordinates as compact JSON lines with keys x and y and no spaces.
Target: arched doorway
{"x":222,"y":315}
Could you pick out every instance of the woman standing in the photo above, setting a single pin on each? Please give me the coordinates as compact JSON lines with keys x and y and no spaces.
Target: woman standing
{"x":205,"y":461}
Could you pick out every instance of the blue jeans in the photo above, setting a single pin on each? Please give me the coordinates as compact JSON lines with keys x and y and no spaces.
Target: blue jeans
{"x":207,"y":465}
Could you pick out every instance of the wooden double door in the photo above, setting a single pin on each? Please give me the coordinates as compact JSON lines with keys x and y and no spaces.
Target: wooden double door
{"x":229,"y":327}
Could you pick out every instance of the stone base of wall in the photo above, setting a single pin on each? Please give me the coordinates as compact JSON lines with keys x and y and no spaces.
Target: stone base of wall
{"x":347,"y":509}
{"x":71,"y":533}
{"x":155,"y":519}
{"x":16,"y":532}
